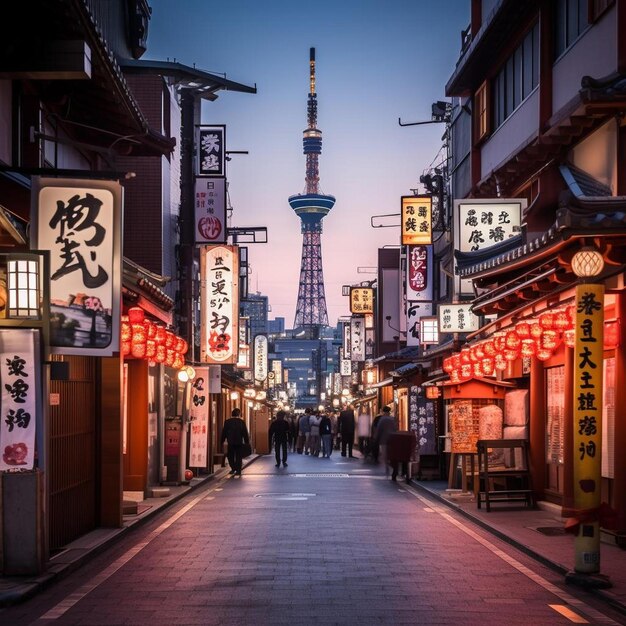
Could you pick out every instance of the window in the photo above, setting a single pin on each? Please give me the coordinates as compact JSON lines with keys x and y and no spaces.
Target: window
{"x":481,"y":109}
{"x":571,"y":20}
{"x":517,"y":79}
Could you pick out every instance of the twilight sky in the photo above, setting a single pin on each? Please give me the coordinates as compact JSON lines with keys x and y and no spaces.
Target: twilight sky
{"x":376,"y":61}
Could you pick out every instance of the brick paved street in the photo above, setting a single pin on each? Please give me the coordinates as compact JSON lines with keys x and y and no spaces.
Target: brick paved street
{"x":322,"y":541}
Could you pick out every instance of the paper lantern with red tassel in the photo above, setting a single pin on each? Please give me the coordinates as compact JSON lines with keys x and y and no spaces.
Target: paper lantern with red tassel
{"x":170,"y":339}
{"x":546,"y":321}
{"x":160,"y":354}
{"x":160,"y":335}
{"x":138,"y":350}
{"x":489,"y":348}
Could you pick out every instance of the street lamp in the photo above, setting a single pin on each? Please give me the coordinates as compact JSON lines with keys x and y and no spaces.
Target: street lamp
{"x":588,"y":370}
{"x":186,"y":376}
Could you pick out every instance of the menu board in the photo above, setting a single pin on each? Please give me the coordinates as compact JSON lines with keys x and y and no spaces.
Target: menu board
{"x":464,"y":426}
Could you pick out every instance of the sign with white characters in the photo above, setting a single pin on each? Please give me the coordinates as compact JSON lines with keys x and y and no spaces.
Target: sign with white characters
{"x":260,"y":358}
{"x":419,"y":272}
{"x":414,"y":313}
{"x":357,"y":339}
{"x":211,"y":149}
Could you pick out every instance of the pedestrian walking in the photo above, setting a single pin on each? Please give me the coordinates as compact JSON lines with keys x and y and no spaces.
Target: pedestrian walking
{"x":293,"y":423}
{"x":374,"y":449}
{"x":235,"y":434}
{"x":304,"y":430}
{"x":364,"y":427}
{"x":314,"y":435}
{"x":346,"y":424}
{"x":280,"y":433}
{"x":326,"y":433}
{"x":386,"y":426}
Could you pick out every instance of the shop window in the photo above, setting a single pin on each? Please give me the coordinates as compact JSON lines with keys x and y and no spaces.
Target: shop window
{"x":608,"y":419}
{"x":481,"y":110}
{"x":555,"y":394}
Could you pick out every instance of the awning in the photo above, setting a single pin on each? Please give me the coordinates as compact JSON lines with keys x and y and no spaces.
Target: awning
{"x":383,"y":383}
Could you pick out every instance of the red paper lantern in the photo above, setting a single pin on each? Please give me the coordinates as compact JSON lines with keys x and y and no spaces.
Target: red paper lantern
{"x":543,"y":355}
{"x":151,"y":347}
{"x":136,"y":315}
{"x":126,"y":332}
{"x":550,"y":340}
{"x":511,"y":355}
{"x":160,"y":335}
{"x":169,"y":357}
{"x":528,"y":348}
{"x":161,"y":353}
{"x":456,"y":361}
{"x":489,"y":348}
{"x":487,"y":365}
{"x":178,"y":345}
{"x":569,"y":338}
{"x":447,"y":365}
{"x":179,"y":361}
{"x":512,"y":340}
{"x":455,"y":376}
{"x":561,"y":321}
{"x":139,"y":335}
{"x":477,"y":369}
{"x":499,"y":342}
{"x":170,"y":339}
{"x":138,"y":350}
{"x":500,"y":363}
{"x":611,"y":334}
{"x":150,"y":329}
{"x":546,"y":321}
{"x":125,"y":348}
{"x":473,"y":355}
{"x":184,"y":348}
{"x":535,"y":330}
{"x":479,"y":350}
{"x":465,"y":356}
{"x":522,"y":329}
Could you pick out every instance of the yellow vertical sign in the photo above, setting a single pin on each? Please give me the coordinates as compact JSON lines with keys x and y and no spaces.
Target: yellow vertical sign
{"x":416,"y":220}
{"x":588,"y":374}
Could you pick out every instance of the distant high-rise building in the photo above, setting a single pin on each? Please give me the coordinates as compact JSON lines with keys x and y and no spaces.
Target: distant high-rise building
{"x":256,"y":307}
{"x":276,"y":326}
{"x":311,"y":207}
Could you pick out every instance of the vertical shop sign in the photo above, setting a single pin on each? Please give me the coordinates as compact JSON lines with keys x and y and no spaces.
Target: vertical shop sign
{"x":456,"y":318}
{"x":361,"y":300}
{"x":210,"y":210}
{"x":415,"y":311}
{"x":369,"y":343}
{"x":416,"y":220}
{"x":357,"y":339}
{"x":211,"y":150}
{"x":588,"y":381}
{"x":260,"y":358}
{"x":419,"y":281}
{"x":21,"y":390}
{"x":199,"y":415}
{"x":80,"y":223}
{"x":219,"y":304}
{"x":422,"y":421}
{"x":347,"y":348}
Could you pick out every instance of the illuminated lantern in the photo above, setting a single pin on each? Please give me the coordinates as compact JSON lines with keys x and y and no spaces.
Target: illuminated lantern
{"x":546,"y":321}
{"x":512,"y":340}
{"x":150,"y":329}
{"x":136,"y":315}
{"x":126,"y":331}
{"x":465,"y":356}
{"x":160,"y":335}
{"x":447,"y":365}
{"x":151,"y":347}
{"x":487,"y":365}
{"x":535,"y":330}
{"x":523,"y":330}
{"x":455,"y":376}
{"x":178,"y":346}
{"x":466,"y":371}
{"x":184,"y":348}
{"x":511,"y":355}
{"x":569,"y":338}
{"x":479,"y":350}
{"x":178,"y":360}
{"x":543,"y":355}
{"x":138,"y":350}
{"x":170,"y":339}
{"x":489,"y":348}
{"x":139,"y":334}
{"x":550,"y":340}
{"x":561,"y":321}
{"x":456,"y":361}
{"x":169,"y":357}
{"x":478,"y":369}
{"x":528,"y":348}
{"x":611,"y":334}
{"x":161,"y":353}
{"x":499,"y":342}
{"x":571,"y":313}
{"x":500,"y":363}
{"x":125,"y":348}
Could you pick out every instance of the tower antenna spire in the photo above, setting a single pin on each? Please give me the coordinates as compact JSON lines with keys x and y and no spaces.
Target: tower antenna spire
{"x":311,"y":207}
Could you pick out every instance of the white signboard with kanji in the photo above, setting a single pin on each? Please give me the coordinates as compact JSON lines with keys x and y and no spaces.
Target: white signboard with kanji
{"x":199,"y":416}
{"x":456,"y":318}
{"x":210,"y":210}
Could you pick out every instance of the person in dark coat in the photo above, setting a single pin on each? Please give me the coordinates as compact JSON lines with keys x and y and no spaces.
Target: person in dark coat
{"x":280,"y":432}
{"x":346,"y":425}
{"x":236,"y":434}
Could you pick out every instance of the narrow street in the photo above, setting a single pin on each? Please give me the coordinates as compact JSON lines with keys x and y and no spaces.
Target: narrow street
{"x":321,"y":541}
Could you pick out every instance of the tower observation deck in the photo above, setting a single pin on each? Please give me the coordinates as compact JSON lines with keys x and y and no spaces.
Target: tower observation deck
{"x":311,"y":207}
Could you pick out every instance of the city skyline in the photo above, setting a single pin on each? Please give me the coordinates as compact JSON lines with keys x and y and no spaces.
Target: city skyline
{"x":377,"y":62}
